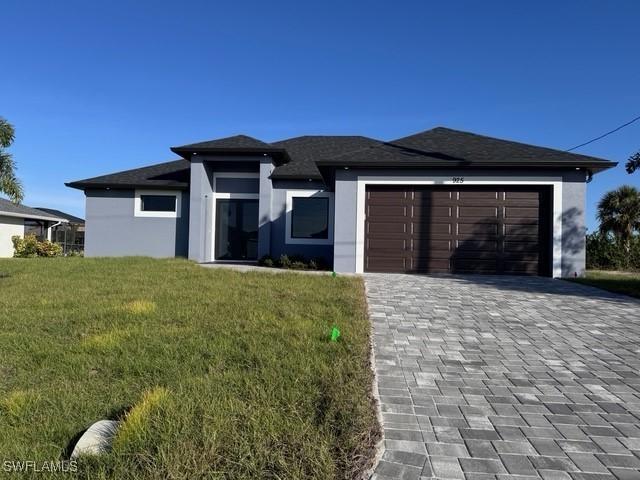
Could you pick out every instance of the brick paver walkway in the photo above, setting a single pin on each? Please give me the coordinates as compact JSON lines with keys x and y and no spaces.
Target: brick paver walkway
{"x":485,"y":378}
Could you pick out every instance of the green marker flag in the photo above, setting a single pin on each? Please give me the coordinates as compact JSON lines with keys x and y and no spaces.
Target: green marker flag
{"x":335,"y":334}
{"x":333,"y":274}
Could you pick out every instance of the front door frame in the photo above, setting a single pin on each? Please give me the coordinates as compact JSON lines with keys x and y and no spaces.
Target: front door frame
{"x":227,"y":196}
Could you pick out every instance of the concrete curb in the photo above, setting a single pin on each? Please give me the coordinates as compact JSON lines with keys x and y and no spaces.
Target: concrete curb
{"x":380,"y":449}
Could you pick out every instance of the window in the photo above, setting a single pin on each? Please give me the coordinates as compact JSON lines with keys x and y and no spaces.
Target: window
{"x":158,"y":203}
{"x":310,"y":217}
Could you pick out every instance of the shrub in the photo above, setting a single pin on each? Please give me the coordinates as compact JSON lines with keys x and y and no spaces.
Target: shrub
{"x":26,"y":247}
{"x":294,"y":262}
{"x":605,"y":253}
{"x":49,"y":249}
{"x":266,"y":261}
{"x":31,"y":247}
{"x":284,"y":261}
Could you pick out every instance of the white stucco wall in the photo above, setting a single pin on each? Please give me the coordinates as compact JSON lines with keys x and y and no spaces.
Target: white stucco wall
{"x":9,"y":226}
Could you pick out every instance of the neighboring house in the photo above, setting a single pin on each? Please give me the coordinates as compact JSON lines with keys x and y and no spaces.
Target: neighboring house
{"x":437,"y":201}
{"x":20,"y":220}
{"x":69,"y":235}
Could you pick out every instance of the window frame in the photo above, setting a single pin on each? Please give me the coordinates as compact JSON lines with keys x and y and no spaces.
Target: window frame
{"x":291,"y":194}
{"x":138,"y":212}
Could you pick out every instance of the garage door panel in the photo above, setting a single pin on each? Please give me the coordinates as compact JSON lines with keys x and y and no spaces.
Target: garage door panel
{"x":477,"y":212}
{"x":380,"y":245}
{"x":386,"y":264}
{"x":478,"y":245}
{"x":520,"y":212}
{"x":478,"y":194}
{"x":433,"y":196}
{"x":522,"y":198}
{"x":387,"y":228}
{"x":425,"y":229}
{"x":521,"y":248}
{"x":478,"y":198}
{"x":477,"y":228}
{"x":524,"y":228}
{"x":458,"y":229}
{"x":387,"y":211}
{"x":432,"y":245}
{"x":519,"y":267}
{"x":429,"y":264}
{"x":431,"y":211}
{"x":461,"y":265}
{"x":398,"y":191}
{"x":476,"y":255}
{"x":386,"y":200}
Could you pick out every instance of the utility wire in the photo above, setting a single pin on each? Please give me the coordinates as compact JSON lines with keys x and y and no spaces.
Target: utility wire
{"x":605,"y":134}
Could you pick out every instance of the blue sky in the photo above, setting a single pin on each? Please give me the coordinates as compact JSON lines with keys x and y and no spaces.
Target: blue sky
{"x":96,"y":87}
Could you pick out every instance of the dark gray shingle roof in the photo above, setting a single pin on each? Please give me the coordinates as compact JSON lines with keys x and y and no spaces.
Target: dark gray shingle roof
{"x":237,"y":143}
{"x":444,"y":147}
{"x":299,"y":157}
{"x":19,"y":210}
{"x":306,"y":150}
{"x":174,"y":174}
{"x":60,"y":214}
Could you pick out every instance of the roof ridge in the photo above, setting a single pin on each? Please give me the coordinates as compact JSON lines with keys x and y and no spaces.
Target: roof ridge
{"x":324,"y":136}
{"x":498,"y":139}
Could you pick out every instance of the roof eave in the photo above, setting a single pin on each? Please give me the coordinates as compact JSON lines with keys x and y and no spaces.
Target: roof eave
{"x":595,"y":165}
{"x":302,"y":178}
{"x":187,"y":153}
{"x":34,"y":216}
{"x":123,"y":186}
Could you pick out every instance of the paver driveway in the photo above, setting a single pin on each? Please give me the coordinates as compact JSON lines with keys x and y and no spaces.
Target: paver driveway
{"x":505,"y":377}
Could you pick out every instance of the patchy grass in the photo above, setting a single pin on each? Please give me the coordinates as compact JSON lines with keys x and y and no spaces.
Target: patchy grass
{"x":214,"y":373}
{"x":619,"y":282}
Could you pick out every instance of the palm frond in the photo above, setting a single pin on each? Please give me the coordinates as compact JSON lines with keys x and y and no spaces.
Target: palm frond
{"x":633,"y":163}
{"x":7,"y":133}
{"x":9,"y":183}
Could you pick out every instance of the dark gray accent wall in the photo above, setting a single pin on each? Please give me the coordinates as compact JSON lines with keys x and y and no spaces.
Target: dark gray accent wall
{"x":113,"y":230}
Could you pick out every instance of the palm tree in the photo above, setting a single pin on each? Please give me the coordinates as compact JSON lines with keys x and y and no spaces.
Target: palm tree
{"x":633,"y":163}
{"x":619,"y":213}
{"x":9,"y":183}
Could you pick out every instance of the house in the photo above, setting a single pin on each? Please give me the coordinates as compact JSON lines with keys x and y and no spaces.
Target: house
{"x":20,"y":220}
{"x":69,"y":235}
{"x":437,"y":201}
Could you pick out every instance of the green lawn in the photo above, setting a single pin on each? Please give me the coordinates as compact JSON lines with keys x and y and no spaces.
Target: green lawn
{"x":619,"y":282}
{"x":217,"y":374}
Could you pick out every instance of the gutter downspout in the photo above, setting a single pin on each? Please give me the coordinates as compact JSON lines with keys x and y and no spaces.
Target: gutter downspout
{"x":49,"y":229}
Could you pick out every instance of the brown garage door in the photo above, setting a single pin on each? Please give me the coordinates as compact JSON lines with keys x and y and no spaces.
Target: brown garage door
{"x":458,"y":230}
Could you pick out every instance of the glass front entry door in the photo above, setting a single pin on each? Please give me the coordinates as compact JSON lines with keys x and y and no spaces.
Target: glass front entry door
{"x":236,"y":229}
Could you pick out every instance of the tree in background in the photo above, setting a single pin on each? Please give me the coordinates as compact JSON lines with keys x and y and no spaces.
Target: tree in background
{"x":619,"y":214}
{"x":633,"y":163}
{"x":9,"y":183}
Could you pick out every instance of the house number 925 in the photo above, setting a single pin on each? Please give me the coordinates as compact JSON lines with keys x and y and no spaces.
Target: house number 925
{"x":457,"y":179}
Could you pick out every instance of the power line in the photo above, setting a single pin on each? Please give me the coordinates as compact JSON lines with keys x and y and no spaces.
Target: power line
{"x":605,"y":134}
